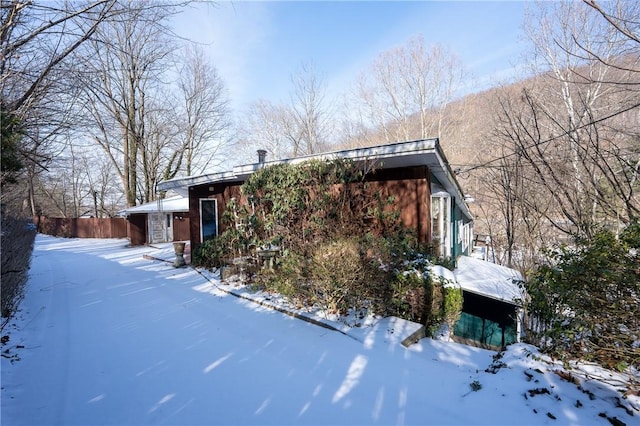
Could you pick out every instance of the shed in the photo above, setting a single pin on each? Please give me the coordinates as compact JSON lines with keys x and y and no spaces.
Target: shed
{"x":492,"y":308}
{"x":160,"y":221}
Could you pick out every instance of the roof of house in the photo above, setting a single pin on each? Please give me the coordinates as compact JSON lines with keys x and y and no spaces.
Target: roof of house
{"x":489,"y":279}
{"x":168,"y":205}
{"x":425,"y":152}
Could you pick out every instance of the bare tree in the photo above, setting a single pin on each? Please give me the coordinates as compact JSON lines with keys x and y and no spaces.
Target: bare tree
{"x":300,"y":127}
{"x":36,"y":41}
{"x":310,"y":131}
{"x":624,"y":18}
{"x":203,"y":116}
{"x":408,"y":85}
{"x":560,"y":124}
{"x":511,"y":190}
{"x":153,"y":115}
{"x":266,"y":126}
{"x":122,"y":70}
{"x":59,"y":188}
{"x":80,"y":182}
{"x":622,"y":25}
{"x":37,"y":37}
{"x":38,"y":76}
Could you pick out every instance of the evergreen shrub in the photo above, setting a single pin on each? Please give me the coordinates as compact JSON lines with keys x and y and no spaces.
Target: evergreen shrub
{"x":210,"y":254}
{"x":585,"y":302}
{"x":452,"y":304}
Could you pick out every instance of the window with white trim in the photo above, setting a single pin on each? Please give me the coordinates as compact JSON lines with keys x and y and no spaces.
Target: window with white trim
{"x":441,"y":224}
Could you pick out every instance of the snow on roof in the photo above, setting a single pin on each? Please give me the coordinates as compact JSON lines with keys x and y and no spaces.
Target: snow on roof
{"x":171,"y":204}
{"x":444,"y":273}
{"x":488,"y":279}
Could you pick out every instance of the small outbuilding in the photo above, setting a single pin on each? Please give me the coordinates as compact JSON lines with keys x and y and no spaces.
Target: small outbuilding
{"x":492,"y":307}
{"x":159,"y":221}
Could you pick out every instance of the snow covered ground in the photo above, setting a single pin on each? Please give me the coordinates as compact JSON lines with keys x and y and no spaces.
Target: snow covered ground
{"x":106,"y":336}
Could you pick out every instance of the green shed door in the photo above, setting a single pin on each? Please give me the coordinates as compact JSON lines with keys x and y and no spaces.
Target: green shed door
{"x":484,"y":331}
{"x":486,"y":321}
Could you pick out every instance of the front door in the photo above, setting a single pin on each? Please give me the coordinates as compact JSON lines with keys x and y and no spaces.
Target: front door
{"x":160,"y":227}
{"x":208,"y":219}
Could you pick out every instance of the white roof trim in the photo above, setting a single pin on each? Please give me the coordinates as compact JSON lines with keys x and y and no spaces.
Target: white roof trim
{"x":181,"y":185}
{"x":168,"y":205}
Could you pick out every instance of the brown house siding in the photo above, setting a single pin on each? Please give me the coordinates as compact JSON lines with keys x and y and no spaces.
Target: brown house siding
{"x":138,"y":227}
{"x":181,"y":227}
{"x":409,"y":187}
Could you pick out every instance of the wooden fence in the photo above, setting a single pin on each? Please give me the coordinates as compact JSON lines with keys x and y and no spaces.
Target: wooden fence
{"x":82,"y":227}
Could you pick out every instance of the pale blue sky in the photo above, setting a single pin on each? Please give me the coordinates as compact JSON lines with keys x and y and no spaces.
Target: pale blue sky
{"x":257,"y":45}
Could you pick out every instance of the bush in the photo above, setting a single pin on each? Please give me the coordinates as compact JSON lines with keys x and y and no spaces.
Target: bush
{"x":337,"y":270}
{"x":345,"y":274}
{"x":409,"y":296}
{"x":17,"y":240}
{"x":11,"y":134}
{"x":289,"y":280}
{"x":452,"y":305}
{"x":418,"y":296}
{"x":585,"y":302}
{"x":315,"y":213}
{"x":210,"y":254}
{"x":434,"y":304}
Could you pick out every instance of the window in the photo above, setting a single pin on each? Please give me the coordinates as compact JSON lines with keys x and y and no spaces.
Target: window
{"x":208,"y":219}
{"x":441,"y":224}
{"x":465,"y":235}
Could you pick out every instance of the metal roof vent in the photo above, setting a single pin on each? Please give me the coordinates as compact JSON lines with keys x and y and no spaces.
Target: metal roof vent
{"x":262,"y":155}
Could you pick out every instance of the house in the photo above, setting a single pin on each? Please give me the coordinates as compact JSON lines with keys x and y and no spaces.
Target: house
{"x":415,"y":173}
{"x":159,"y":221}
{"x":429,"y":200}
